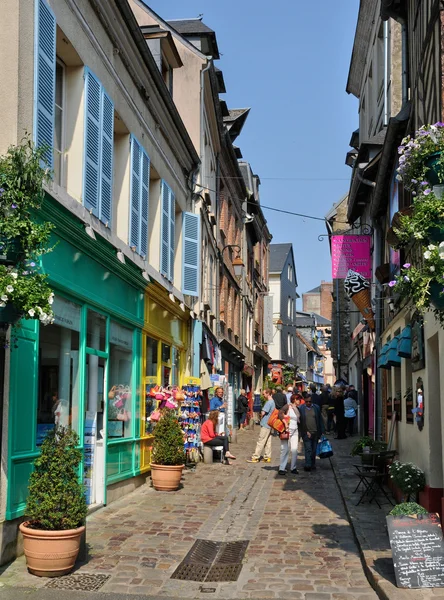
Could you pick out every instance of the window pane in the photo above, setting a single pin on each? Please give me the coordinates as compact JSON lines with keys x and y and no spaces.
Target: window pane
{"x":166,"y":353}
{"x":59,"y":375}
{"x":96,"y":331}
{"x":152,"y":359}
{"x":175,"y":367}
{"x":120,"y":395}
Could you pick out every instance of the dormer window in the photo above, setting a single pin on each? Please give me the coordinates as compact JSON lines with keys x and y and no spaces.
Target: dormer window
{"x":164,"y":51}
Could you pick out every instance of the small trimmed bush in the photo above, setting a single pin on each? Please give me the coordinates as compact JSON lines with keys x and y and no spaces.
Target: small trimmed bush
{"x":56,"y":499}
{"x":408,"y":508}
{"x":168,"y":444}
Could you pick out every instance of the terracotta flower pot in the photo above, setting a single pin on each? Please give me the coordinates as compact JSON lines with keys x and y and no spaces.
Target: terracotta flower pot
{"x":166,"y":478}
{"x":50,"y":553}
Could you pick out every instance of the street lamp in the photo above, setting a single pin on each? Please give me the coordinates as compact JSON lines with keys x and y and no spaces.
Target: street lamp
{"x":279,"y":324}
{"x":238,"y":263}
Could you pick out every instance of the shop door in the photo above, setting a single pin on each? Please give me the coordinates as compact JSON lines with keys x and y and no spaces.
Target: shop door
{"x":93,"y":442}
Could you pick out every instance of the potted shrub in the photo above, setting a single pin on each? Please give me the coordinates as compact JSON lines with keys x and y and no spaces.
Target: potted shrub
{"x":56,"y":506}
{"x":168,"y":456}
{"x":367,"y":442}
{"x":407,"y":477}
{"x":24,"y":291}
{"x":408,"y":509}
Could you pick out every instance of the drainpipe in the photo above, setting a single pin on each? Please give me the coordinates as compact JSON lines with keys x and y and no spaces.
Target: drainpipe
{"x":405,"y":64}
{"x":202,"y":110}
{"x":386,"y":67}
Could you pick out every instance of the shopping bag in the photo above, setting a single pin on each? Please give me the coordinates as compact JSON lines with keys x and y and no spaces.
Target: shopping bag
{"x":274,"y":422}
{"x":324,"y":449}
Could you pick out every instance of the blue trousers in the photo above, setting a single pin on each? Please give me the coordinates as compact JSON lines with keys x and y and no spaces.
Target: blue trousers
{"x":310,"y":445}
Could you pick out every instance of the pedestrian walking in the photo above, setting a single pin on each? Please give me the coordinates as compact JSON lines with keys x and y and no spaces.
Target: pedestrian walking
{"x":339,"y":413}
{"x":263,"y":446}
{"x":315,"y":397}
{"x":350,"y":412}
{"x":280,"y":399}
{"x":311,"y":430}
{"x":242,"y":409}
{"x":210,"y":438}
{"x":289,"y":393}
{"x":289,"y":414}
{"x":325,"y":403}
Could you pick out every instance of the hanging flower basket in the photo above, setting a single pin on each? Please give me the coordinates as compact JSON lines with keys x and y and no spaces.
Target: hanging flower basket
{"x":436,"y":297}
{"x":11,"y":251}
{"x":434,"y":166}
{"x":9,"y":314}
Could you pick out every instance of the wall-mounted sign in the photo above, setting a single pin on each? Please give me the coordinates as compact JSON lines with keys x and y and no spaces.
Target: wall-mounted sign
{"x":268,"y":320}
{"x":350,"y":252}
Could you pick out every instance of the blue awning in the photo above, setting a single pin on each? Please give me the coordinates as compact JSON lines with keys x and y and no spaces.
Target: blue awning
{"x":405,"y":343}
{"x":393,"y":360}
{"x":382,"y":362}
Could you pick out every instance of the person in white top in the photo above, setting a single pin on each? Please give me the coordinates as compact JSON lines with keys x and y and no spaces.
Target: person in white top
{"x":289,"y":414}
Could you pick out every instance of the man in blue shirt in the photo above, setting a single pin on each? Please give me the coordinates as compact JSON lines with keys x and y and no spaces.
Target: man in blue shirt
{"x":217,"y":401}
{"x":263,"y":446}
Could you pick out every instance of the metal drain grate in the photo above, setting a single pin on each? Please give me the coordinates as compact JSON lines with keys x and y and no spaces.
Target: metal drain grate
{"x":85,"y":582}
{"x":212,"y":561}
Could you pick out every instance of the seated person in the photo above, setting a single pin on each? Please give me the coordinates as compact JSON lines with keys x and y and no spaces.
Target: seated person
{"x":210,"y":438}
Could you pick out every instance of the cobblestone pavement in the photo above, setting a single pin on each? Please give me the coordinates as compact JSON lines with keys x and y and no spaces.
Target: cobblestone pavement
{"x":301,"y":544}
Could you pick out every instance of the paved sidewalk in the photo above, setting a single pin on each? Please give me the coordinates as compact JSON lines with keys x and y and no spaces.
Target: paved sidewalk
{"x":369,"y":524}
{"x":301,"y":543}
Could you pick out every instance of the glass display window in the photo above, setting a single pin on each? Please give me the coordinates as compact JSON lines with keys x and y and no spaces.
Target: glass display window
{"x":59,"y":372}
{"x":120,"y":393}
{"x":96,"y":331}
{"x":152,"y":357}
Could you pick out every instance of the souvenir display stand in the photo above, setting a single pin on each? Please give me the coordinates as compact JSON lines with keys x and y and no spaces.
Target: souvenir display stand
{"x":187,"y":402}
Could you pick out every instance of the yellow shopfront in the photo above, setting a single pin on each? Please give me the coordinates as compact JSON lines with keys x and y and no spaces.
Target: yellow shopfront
{"x":163,"y":358}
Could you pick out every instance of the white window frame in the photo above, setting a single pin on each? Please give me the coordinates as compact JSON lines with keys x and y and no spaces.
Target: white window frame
{"x":60,"y":62}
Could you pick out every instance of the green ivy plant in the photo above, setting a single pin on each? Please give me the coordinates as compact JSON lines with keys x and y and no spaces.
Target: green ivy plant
{"x":408,"y":509}
{"x":56,"y":499}
{"x":22,"y":177}
{"x":168,"y":444}
{"x":407,"y":477}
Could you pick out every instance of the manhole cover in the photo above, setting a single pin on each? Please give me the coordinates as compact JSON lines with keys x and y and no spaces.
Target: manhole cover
{"x":84,"y":582}
{"x":212,"y":561}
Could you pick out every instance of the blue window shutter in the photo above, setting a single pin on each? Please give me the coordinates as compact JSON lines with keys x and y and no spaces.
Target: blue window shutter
{"x":172,"y":234}
{"x":106,"y":163}
{"x":44,"y":78}
{"x":91,"y":179}
{"x":190,"y":254}
{"x":134,"y":194}
{"x":144,"y":202}
{"x":165,"y":229}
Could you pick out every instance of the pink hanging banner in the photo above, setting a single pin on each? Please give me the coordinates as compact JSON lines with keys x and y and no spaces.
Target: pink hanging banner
{"x":350,"y":252}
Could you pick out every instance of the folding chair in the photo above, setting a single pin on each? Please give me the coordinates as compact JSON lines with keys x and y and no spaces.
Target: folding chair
{"x":371,"y":476}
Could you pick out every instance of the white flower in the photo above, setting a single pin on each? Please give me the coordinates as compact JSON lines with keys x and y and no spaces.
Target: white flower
{"x":9,"y":288}
{"x":2,"y":304}
{"x":4,"y":298}
{"x":431,"y":247}
{"x":417,"y":235}
{"x":432,"y":269}
{"x":31,"y":312}
{"x":14,"y":275}
{"x":50,"y":300}
{"x":39,"y":309}
{"x":43,"y":316}
{"x":427,"y":254}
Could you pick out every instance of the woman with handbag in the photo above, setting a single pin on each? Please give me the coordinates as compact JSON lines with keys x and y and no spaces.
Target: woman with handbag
{"x":290,"y":416}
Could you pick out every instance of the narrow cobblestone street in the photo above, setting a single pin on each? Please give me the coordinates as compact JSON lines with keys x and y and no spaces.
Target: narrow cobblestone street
{"x":301,"y":544}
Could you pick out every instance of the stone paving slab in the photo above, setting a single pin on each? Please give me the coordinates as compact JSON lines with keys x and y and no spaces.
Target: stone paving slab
{"x":301,"y":544}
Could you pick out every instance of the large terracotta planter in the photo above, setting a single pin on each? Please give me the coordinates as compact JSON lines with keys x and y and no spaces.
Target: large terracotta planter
{"x":50,"y":553}
{"x":166,"y":478}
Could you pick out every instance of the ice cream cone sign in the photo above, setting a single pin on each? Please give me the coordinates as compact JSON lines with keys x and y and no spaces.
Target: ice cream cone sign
{"x":357,"y":289}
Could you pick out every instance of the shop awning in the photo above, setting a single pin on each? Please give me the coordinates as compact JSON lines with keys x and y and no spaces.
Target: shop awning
{"x":405,"y":343}
{"x":393,"y":359}
{"x":382,"y":362}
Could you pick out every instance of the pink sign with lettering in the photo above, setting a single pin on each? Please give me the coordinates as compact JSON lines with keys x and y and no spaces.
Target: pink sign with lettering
{"x":350,"y":252}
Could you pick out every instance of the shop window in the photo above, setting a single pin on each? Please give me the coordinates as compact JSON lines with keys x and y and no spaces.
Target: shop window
{"x":120,"y":395}
{"x":59,"y":373}
{"x":152,"y":357}
{"x":96,"y":331}
{"x":166,"y":352}
{"x":175,"y":367}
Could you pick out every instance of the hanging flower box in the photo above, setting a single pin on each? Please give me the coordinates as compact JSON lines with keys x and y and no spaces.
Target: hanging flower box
{"x":9,"y":314}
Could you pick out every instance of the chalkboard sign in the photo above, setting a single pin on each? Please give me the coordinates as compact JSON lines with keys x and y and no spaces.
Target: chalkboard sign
{"x":418,"y":550}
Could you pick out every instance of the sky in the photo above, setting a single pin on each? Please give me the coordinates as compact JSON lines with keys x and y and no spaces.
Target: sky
{"x":288,"y":60}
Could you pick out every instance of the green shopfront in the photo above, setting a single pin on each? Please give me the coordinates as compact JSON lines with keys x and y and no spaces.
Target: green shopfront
{"x":83,"y":370}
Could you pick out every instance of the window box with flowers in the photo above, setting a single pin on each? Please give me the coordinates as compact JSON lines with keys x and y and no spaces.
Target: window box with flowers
{"x":24,"y":291}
